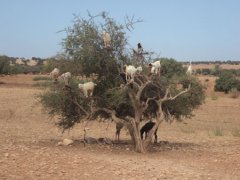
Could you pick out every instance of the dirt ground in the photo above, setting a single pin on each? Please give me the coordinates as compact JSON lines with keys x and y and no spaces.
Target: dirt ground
{"x":204,"y":147}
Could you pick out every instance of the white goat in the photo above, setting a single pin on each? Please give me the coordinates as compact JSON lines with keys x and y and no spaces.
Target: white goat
{"x":189,"y":70}
{"x":87,"y":88}
{"x":66,"y":77}
{"x":131,"y":71}
{"x":155,"y":67}
{"x":54,"y":74}
{"x":106,"y":39}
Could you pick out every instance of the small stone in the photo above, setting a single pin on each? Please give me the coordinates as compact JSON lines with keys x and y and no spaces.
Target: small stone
{"x":59,"y":144}
{"x":67,"y":142}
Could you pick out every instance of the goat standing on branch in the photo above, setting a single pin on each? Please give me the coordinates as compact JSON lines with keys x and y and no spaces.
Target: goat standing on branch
{"x":155,"y":67}
{"x":87,"y":88}
{"x":55,"y":74}
{"x":66,"y":77}
{"x":106,"y":40}
{"x":131,"y":72}
{"x":189,"y":69}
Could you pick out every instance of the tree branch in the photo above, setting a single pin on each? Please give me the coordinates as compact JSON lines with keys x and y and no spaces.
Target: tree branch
{"x":141,"y":89}
{"x":130,"y":22}
{"x":146,"y":103}
{"x":113,"y":115}
{"x":79,"y":106}
{"x":168,"y":96}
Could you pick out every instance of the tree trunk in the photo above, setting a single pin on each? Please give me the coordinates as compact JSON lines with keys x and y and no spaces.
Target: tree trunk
{"x":139,"y":147}
{"x":152,"y":131}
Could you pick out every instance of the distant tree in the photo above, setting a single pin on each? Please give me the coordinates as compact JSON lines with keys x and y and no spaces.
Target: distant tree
{"x":226,"y":82}
{"x":206,"y":71}
{"x":172,"y":95}
{"x":216,"y":71}
{"x":4,"y":65}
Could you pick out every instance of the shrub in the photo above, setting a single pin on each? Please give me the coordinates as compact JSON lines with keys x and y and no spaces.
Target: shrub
{"x":234,"y":93}
{"x":218,"y":131}
{"x":4,"y":65}
{"x":206,"y":71}
{"x":226,"y":82}
{"x":41,"y":78}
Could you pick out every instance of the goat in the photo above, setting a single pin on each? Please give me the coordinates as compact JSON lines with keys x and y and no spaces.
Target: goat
{"x":131,"y":71}
{"x":189,"y":70}
{"x":106,"y":39}
{"x":138,"y":50}
{"x":119,"y":126}
{"x":146,"y":128}
{"x":66,"y":77}
{"x":87,"y":88}
{"x":54,"y":74}
{"x":155,"y":67}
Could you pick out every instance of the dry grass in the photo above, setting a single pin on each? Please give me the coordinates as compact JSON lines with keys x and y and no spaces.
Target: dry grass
{"x":211,"y":66}
{"x":206,"y":146}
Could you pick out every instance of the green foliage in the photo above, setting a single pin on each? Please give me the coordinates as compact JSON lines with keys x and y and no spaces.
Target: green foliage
{"x":216,"y":71}
{"x":226,"y":82}
{"x":63,"y":101}
{"x":7,"y":68}
{"x":64,"y":65}
{"x":16,"y":69}
{"x":41,"y":78}
{"x":185,"y":104}
{"x":85,"y":49}
{"x":4,"y":65}
{"x":206,"y":71}
{"x":171,"y":69}
{"x":84,"y":44}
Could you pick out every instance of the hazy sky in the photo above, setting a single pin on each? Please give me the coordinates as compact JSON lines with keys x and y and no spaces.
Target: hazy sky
{"x":181,"y":29}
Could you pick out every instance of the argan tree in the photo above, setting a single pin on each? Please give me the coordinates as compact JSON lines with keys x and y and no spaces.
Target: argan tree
{"x":167,"y":96}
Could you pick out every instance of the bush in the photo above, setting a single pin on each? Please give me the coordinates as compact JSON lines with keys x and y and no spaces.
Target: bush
{"x":41,"y":78}
{"x":206,"y":71}
{"x":226,"y":82}
{"x":234,"y":93}
{"x":4,"y":65}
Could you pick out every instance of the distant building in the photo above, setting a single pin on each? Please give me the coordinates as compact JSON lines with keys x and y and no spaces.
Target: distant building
{"x":32,"y":62}
{"x":20,"y":61}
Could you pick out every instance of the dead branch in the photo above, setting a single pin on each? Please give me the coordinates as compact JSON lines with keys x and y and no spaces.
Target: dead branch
{"x":129,"y":22}
{"x":169,"y":97}
{"x":112,"y":113}
{"x":145,"y":104}
{"x":79,"y":106}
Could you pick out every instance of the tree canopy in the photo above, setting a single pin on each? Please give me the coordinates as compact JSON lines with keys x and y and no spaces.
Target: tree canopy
{"x":170,"y":95}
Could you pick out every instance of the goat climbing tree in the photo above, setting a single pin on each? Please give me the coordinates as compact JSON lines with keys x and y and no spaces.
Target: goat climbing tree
{"x":166,"y":97}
